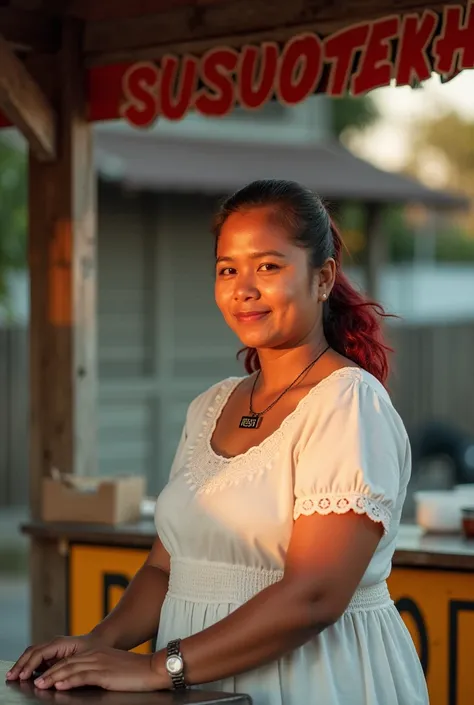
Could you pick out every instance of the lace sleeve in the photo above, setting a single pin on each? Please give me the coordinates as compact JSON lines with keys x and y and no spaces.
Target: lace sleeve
{"x":352,"y":456}
{"x":340,"y":504}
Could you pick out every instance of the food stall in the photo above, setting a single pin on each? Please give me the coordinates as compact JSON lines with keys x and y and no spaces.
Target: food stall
{"x":65,"y":65}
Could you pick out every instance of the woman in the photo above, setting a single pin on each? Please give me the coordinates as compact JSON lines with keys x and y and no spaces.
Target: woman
{"x":279,"y":521}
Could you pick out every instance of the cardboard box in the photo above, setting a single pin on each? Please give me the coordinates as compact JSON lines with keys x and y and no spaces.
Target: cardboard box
{"x":103,"y":500}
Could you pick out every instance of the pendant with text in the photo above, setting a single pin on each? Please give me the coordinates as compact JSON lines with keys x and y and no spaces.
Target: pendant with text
{"x":250,"y":422}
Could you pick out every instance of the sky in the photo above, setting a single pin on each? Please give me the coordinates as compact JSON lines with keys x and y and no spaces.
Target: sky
{"x":388,"y":143}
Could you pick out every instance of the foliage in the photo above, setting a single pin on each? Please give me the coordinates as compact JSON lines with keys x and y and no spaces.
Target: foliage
{"x":13,"y":213}
{"x":450,"y":139}
{"x":348,"y":113}
{"x":452,"y":243}
{"x":443,"y":149}
{"x":442,"y":154}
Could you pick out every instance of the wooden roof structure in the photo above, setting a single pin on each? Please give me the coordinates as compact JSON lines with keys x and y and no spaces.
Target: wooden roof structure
{"x":65,"y":63}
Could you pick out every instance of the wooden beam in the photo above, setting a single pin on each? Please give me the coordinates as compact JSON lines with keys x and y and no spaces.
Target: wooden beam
{"x":63,"y":273}
{"x":197,"y":27}
{"x":25,"y":4}
{"x":25,"y":104}
{"x":30,"y":30}
{"x":91,"y":10}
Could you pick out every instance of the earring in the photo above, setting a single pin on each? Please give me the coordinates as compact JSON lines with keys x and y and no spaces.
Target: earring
{"x":324,"y":297}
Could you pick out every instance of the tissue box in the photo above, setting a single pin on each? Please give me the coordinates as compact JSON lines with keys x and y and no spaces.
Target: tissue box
{"x":103,"y":500}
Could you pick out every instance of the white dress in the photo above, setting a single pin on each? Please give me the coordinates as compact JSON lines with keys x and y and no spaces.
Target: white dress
{"x":226,"y":524}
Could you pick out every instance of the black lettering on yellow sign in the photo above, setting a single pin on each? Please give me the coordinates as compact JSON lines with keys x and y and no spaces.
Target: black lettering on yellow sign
{"x":455,"y":609}
{"x":408,"y":606}
{"x":437,"y":607}
{"x":111,"y":580}
{"x":116,"y":580}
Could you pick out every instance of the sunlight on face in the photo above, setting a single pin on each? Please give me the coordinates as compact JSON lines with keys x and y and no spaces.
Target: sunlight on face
{"x":264,"y":287}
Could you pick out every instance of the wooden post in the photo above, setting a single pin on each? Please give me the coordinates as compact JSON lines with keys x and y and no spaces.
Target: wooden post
{"x":375,"y":251}
{"x":63,"y":380}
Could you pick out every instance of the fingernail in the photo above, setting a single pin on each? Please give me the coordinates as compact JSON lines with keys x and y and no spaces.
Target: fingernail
{"x":22,"y":674}
{"x":9,"y":674}
{"x":39,"y":681}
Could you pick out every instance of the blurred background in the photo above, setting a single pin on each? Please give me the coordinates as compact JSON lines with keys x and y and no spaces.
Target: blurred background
{"x":396,"y":169}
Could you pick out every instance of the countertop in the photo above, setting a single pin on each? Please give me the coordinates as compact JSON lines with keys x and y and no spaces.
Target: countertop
{"x":27,"y":694}
{"x":414,"y":548}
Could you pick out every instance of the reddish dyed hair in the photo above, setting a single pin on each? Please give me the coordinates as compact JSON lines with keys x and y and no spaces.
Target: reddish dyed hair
{"x":352,"y":322}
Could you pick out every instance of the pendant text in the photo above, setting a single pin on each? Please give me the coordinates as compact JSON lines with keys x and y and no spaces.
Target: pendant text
{"x":250,"y":422}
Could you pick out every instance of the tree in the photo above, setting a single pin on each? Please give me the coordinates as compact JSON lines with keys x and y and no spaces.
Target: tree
{"x":13,"y":213}
{"x":443,"y":155}
{"x":449,"y":139}
{"x":348,"y":114}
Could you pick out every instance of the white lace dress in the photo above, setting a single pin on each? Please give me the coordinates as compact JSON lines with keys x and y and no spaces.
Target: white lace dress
{"x":227,"y":524}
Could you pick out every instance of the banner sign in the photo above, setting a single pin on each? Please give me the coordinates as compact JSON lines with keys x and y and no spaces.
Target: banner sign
{"x":355,"y":60}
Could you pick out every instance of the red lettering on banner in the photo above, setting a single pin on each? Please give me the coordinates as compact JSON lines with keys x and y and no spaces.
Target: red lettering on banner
{"x":376,"y":68}
{"x":178,"y":76}
{"x":254,"y":91}
{"x":300,"y":69}
{"x":340,"y":49}
{"x":406,"y":49}
{"x":216,"y":69}
{"x":140,"y":86}
{"x":454,"y":48}
{"x":412,"y":58}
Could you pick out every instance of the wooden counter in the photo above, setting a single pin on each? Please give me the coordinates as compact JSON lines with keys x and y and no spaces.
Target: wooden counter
{"x":432,"y":585}
{"x":26,"y":694}
{"x":414,"y":548}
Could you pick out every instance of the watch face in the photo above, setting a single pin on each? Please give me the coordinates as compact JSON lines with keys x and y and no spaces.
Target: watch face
{"x":174,"y":665}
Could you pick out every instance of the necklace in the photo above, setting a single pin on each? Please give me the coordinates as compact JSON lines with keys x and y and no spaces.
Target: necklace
{"x":254,"y":419}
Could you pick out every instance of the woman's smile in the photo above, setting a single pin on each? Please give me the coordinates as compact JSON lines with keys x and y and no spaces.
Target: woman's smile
{"x":263,"y":286}
{"x":251,"y":316}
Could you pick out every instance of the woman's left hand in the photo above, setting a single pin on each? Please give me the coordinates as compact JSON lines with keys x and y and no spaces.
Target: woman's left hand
{"x":106,"y":668}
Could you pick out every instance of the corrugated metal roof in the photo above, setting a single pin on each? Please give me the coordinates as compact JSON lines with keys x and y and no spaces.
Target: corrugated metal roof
{"x":192,"y":164}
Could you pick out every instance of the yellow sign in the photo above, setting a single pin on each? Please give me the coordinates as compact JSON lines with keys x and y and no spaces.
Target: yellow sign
{"x":437,"y":606}
{"x":98,"y":577}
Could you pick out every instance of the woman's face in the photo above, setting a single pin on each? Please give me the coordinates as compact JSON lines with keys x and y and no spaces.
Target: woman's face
{"x":264,"y":287}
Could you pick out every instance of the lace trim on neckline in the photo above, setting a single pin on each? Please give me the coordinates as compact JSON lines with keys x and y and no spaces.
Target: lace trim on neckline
{"x":341,"y":504}
{"x":207,"y":471}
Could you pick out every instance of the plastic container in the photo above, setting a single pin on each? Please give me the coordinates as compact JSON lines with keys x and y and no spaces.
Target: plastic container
{"x":440,"y":511}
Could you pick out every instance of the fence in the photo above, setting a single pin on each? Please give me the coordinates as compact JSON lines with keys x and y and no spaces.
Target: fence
{"x":433,"y":375}
{"x":13,"y":416}
{"x":433,"y":378}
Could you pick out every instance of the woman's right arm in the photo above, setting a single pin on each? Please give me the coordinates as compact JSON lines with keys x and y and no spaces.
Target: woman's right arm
{"x":136,"y":617}
{"x":132,"y":622}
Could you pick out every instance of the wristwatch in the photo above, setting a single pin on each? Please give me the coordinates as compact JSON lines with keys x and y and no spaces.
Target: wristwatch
{"x":175,"y":664}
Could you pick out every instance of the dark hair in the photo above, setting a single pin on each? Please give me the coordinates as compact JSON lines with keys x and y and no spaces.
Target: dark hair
{"x":351,"y":322}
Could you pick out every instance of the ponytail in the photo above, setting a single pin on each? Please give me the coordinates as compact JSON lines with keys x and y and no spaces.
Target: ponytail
{"x":352,"y":323}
